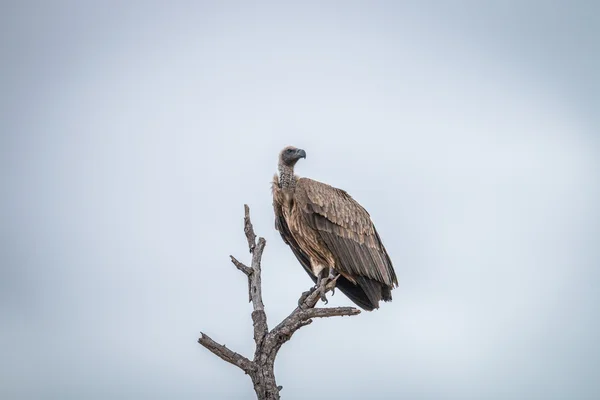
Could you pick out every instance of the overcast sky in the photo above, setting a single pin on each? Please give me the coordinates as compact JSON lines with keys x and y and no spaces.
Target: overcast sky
{"x":132,"y":135}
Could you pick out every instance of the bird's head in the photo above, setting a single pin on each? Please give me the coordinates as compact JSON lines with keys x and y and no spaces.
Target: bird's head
{"x":290,"y":155}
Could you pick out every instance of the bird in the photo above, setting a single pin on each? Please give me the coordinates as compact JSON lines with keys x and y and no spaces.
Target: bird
{"x":331,"y":235}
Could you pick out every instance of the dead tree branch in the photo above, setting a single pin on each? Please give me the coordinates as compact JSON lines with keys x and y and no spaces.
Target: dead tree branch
{"x":225,"y":354}
{"x":268,"y":343}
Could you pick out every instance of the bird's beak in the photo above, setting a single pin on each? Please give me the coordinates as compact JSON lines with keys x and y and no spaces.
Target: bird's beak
{"x":301,"y":153}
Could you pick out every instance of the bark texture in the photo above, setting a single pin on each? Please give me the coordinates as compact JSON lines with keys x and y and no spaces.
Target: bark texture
{"x":268,"y":342}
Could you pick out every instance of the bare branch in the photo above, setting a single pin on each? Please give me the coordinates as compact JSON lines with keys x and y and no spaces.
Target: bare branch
{"x":246,"y":270}
{"x":226,"y":354}
{"x":241,"y":266}
{"x":256,"y":279}
{"x":329,"y":312}
{"x":249,"y":229}
{"x":259,"y":318}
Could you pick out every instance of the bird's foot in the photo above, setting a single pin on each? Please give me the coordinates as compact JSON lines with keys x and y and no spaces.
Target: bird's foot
{"x":333,"y":277}
{"x":325,"y":283}
{"x":305,"y":295}
{"x":322,"y":289}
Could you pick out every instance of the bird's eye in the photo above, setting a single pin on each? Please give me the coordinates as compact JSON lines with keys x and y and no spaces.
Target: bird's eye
{"x":288,"y":150}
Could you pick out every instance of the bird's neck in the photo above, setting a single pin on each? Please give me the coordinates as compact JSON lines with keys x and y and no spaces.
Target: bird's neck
{"x":287,"y":180}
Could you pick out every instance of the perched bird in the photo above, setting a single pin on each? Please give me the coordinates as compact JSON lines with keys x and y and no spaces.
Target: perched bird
{"x":331,"y":235}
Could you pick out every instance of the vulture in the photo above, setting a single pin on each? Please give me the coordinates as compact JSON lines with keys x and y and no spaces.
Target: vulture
{"x":331,"y":235}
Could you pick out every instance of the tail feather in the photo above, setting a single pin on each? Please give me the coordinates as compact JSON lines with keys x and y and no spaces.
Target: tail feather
{"x":355,"y":293}
{"x":366,"y":293}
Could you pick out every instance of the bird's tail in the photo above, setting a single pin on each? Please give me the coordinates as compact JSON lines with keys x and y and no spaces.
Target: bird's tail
{"x":366,"y":293}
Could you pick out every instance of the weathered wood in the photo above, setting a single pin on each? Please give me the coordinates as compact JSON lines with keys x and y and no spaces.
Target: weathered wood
{"x":226,"y":354}
{"x":268,"y":343}
{"x":249,"y":229}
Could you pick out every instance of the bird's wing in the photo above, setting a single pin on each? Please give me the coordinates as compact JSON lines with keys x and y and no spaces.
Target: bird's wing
{"x":347,"y":230}
{"x":282,"y":226}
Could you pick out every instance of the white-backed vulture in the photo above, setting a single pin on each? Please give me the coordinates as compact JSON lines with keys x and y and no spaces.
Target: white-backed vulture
{"x":331,"y":234}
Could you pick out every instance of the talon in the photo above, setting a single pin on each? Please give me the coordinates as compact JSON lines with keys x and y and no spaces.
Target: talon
{"x":333,"y":277}
{"x":323,"y":297}
{"x":323,"y":280}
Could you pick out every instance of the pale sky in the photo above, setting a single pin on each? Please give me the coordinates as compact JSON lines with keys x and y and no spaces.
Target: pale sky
{"x":132,"y":135}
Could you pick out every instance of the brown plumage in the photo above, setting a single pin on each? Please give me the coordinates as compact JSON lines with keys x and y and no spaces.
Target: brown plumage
{"x":329,"y":232}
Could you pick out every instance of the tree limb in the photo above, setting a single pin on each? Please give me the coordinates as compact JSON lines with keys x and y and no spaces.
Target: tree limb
{"x":249,"y":229}
{"x":259,"y":318}
{"x":241,"y":266}
{"x":246,"y":270}
{"x":225,"y":354}
{"x":329,"y":312}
